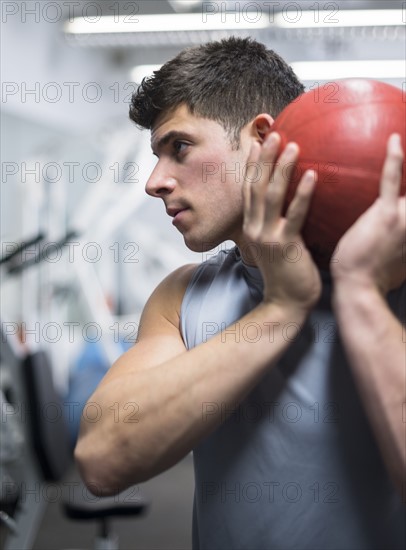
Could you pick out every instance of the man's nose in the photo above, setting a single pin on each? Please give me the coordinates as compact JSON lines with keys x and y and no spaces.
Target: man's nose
{"x":160,"y":183}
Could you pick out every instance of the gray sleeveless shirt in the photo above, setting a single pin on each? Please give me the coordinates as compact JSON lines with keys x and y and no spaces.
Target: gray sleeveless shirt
{"x":295,"y":466}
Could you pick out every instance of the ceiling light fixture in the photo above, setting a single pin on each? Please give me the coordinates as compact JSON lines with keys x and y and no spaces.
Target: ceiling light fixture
{"x":161,"y":23}
{"x":234,"y":20}
{"x":306,"y":19}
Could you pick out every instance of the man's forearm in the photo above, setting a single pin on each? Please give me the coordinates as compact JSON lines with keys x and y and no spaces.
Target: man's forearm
{"x":170,"y":401}
{"x":375,"y":344}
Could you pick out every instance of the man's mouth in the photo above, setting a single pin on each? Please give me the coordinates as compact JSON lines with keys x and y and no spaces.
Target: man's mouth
{"x":176,"y":213}
{"x":173,"y":212}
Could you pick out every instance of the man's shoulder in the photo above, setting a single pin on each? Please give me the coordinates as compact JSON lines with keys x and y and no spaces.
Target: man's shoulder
{"x":166,"y":300}
{"x":178,"y":280}
{"x":173,"y":287}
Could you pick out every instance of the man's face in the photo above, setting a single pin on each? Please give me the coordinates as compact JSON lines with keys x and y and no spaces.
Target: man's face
{"x":199,"y":177}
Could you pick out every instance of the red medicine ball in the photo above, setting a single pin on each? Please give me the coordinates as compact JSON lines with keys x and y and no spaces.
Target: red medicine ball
{"x":342,"y":129}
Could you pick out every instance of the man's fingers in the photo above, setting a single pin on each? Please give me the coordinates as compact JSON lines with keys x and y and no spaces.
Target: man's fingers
{"x":276,"y":192}
{"x":257,"y":177}
{"x":252,"y":160}
{"x":392,"y":170}
{"x":265,"y":186}
{"x":299,"y":207}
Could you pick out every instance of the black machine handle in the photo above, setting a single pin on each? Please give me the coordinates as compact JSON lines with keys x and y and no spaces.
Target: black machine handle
{"x":17,"y":266}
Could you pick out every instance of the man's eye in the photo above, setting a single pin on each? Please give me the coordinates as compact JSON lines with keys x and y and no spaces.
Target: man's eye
{"x":179,"y":147}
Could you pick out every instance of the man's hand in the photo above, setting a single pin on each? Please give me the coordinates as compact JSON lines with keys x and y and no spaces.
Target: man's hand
{"x":372,"y":252}
{"x":290,"y":276}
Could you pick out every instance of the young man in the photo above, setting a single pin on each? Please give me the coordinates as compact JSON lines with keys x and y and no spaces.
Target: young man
{"x":297,"y":434}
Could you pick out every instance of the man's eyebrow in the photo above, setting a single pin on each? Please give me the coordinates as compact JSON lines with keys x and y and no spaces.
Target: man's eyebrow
{"x":166,"y":138}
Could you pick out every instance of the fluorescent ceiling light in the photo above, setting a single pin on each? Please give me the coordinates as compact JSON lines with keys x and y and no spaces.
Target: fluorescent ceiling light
{"x":160,"y":23}
{"x":242,"y":19}
{"x":339,"y":18}
{"x":333,"y":70}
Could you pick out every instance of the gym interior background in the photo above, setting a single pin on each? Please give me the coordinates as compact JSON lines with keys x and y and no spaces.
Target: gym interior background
{"x":83,"y":246}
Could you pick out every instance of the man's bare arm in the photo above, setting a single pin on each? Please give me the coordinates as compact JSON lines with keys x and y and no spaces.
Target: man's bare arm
{"x":370,"y":262}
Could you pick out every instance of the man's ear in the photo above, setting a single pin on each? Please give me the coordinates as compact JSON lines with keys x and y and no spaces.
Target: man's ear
{"x":261,"y":126}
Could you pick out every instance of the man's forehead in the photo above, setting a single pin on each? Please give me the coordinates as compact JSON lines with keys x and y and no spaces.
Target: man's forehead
{"x":181,"y":122}
{"x":180,"y":114}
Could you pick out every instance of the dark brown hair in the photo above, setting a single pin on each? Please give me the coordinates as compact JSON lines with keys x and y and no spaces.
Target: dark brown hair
{"x":230,"y":81}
